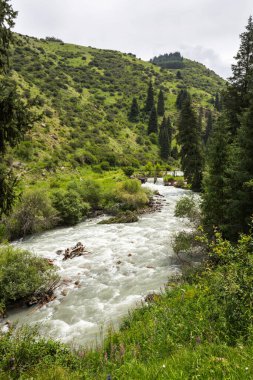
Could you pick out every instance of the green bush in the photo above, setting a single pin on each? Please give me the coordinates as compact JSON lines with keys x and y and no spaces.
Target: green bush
{"x":131,"y":195}
{"x":70,"y":206}
{"x":89,"y":190}
{"x":128,"y":171}
{"x":22,"y":274}
{"x":34,"y":213}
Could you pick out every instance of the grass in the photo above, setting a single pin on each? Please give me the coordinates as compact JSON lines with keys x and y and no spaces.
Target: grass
{"x":84,"y":95}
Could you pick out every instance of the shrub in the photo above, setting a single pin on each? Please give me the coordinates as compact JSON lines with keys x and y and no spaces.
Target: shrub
{"x":128,"y":171}
{"x":33,"y":214}
{"x":131,"y":195}
{"x":89,"y":190}
{"x":70,"y":206}
{"x":188,"y":207}
{"x":22,"y":274}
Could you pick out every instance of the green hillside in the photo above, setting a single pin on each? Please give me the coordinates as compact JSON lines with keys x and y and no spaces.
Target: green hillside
{"x":83,"y":95}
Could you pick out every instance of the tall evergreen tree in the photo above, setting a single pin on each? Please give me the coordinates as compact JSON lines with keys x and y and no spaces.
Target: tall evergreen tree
{"x":150,"y":98}
{"x":152,"y":125}
{"x":239,"y":91}
{"x":160,"y":104}
{"x":14,"y":117}
{"x":214,"y":180}
{"x":209,"y":126}
{"x":191,"y":147}
{"x":7,"y":17}
{"x":134,"y":111}
{"x":183,"y":94}
{"x":165,"y":135}
{"x":239,"y":189}
{"x":217,"y":102}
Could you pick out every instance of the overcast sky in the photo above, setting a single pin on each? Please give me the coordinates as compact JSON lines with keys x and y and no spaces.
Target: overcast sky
{"x":203,"y":30}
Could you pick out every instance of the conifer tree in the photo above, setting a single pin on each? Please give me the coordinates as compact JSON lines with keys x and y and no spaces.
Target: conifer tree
{"x":160,"y":104}
{"x":191,"y":148}
{"x":15,"y":119}
{"x":214,"y":181}
{"x":239,"y":91}
{"x":217,"y":102}
{"x":134,"y":111}
{"x":150,"y":98}
{"x":152,"y":125}
{"x":209,"y":126}
{"x":183,"y":94}
{"x":239,"y":186}
{"x":165,"y":138}
{"x":7,"y":17}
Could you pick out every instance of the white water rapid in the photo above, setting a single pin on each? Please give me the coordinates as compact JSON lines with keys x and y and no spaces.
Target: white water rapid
{"x":126,"y":262}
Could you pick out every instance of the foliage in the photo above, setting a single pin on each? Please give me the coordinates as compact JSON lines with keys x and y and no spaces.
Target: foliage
{"x":70,"y":206}
{"x":128,"y":170}
{"x":150,"y":98}
{"x":214,"y":180}
{"x":165,"y":137}
{"x":160,"y":104}
{"x":89,"y":190}
{"x":191,"y":150}
{"x":201,"y":326}
{"x":131,"y":195}
{"x":7,"y":17}
{"x":152,"y":124}
{"x":22,"y":274}
{"x":34,"y":213}
{"x":134,"y":111}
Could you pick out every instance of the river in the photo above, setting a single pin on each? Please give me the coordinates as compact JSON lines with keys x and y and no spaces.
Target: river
{"x":126,"y":262}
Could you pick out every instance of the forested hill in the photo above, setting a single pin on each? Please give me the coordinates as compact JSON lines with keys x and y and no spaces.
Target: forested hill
{"x":83,"y":97}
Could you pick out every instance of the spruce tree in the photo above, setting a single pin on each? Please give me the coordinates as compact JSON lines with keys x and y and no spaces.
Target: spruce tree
{"x":152,"y":125}
{"x":239,"y":186}
{"x":209,"y":126}
{"x":217,"y":102}
{"x":134,"y":111}
{"x":214,"y":181}
{"x":7,"y":17}
{"x":150,"y":98}
{"x":191,"y":147}
{"x":160,"y":104}
{"x":239,"y":91}
{"x":165,"y":139}
{"x":15,"y":119}
{"x":183,"y":94}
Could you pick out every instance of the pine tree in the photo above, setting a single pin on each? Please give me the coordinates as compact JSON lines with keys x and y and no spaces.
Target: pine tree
{"x":165,"y":138}
{"x":191,"y":148}
{"x":150,"y":98}
{"x":152,"y":125}
{"x":239,"y":91}
{"x":15,"y":119}
{"x":179,"y":75}
{"x":183,"y":94}
{"x":134,"y":111}
{"x":7,"y":17}
{"x":160,"y":104}
{"x":214,"y":180}
{"x":239,"y":186}
{"x":217,"y":102}
{"x":209,"y":126}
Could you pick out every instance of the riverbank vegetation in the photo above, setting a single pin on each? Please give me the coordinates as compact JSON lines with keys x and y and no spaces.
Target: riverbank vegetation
{"x":22,"y":276}
{"x":200,"y":327}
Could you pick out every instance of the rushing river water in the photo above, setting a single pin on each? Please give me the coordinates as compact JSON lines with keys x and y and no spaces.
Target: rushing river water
{"x":126,"y":262}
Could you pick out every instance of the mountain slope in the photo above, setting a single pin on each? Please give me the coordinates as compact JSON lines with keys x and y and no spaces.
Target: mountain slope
{"x":83,"y":96}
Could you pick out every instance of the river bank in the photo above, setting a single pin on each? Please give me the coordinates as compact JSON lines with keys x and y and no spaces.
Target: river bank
{"x":126,"y":262}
